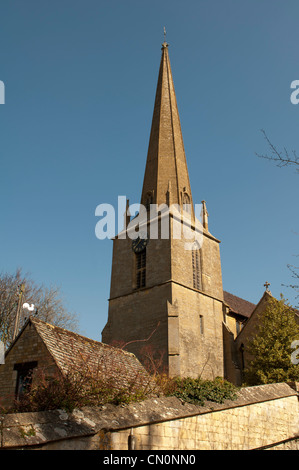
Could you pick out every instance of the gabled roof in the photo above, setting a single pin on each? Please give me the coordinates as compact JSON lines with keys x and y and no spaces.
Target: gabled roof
{"x":259,"y":308}
{"x":72,"y":351}
{"x":238,"y":305}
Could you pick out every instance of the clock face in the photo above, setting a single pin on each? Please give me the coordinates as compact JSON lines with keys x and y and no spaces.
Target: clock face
{"x":140,"y":243}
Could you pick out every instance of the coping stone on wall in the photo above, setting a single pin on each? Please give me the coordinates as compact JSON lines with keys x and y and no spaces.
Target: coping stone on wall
{"x":31,"y":429}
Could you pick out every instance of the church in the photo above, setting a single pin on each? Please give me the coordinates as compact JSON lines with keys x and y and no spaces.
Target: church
{"x":164,"y":296}
{"x":167,"y":306}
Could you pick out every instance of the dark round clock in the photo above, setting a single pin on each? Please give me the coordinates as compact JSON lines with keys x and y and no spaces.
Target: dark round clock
{"x":139,"y":244}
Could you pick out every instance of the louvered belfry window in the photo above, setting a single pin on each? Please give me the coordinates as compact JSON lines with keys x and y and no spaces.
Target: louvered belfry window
{"x":140,"y":269}
{"x":196,"y":267}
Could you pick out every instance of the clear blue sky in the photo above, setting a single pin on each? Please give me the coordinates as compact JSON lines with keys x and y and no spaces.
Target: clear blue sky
{"x":80,"y":80}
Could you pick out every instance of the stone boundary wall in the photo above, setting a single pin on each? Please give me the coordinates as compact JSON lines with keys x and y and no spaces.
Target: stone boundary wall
{"x":246,"y":427}
{"x":263,"y":417}
{"x":289,"y":444}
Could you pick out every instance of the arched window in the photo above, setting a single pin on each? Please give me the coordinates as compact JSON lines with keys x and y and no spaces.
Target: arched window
{"x":196,"y":267}
{"x":186,"y":203}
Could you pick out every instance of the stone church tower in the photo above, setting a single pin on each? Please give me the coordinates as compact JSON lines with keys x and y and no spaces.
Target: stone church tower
{"x":163,"y":294}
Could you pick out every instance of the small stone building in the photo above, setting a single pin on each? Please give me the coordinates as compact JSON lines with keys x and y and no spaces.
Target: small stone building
{"x":54,"y":350}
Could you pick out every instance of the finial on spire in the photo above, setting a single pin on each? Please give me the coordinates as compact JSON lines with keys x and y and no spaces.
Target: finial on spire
{"x":164,"y":45}
{"x":204,"y":215}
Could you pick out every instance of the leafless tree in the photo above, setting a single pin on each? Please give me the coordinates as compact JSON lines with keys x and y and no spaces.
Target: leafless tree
{"x":281,"y":158}
{"x":48,"y":304}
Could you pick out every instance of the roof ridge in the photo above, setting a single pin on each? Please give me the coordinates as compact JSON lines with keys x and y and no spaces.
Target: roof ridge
{"x":238,"y":297}
{"x":36,"y":320}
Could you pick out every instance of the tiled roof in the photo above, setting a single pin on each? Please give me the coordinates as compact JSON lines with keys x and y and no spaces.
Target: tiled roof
{"x":238,"y":305}
{"x":72,"y":351}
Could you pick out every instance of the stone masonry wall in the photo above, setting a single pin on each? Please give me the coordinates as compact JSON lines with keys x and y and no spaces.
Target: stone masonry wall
{"x":261,"y":417}
{"x":247,"y":427}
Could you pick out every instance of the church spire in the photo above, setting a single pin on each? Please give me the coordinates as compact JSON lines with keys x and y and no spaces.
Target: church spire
{"x":166,"y":165}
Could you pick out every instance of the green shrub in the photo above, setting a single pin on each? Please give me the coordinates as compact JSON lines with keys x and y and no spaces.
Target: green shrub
{"x":270,"y":349}
{"x":198,"y":391}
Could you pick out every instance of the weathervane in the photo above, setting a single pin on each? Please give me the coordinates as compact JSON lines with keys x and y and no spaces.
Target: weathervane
{"x":164,"y":45}
{"x":28,"y":307}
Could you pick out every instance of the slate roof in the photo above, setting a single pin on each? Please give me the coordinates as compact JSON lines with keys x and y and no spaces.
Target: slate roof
{"x":238,"y":305}
{"x":72,"y":351}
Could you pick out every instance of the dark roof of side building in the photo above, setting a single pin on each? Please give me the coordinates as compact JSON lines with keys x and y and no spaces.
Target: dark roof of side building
{"x":237,"y":305}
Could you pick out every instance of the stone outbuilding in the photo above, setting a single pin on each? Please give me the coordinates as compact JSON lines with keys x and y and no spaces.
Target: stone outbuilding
{"x":56,"y":350}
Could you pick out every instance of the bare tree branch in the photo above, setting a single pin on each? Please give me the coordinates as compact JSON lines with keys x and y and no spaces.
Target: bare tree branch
{"x":47,"y":300}
{"x":141,"y":340}
{"x":283,"y":158}
{"x":295,"y":275}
